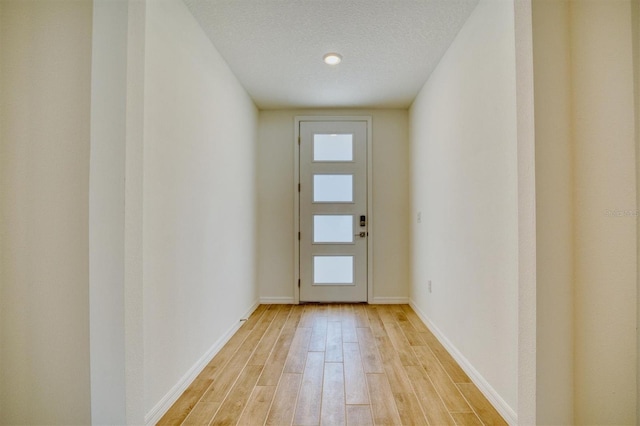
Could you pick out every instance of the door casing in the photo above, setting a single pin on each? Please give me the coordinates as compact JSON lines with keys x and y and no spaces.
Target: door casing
{"x":296,"y":204}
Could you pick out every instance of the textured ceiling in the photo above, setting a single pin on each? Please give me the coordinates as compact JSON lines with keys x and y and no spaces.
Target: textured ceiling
{"x":275,"y":47}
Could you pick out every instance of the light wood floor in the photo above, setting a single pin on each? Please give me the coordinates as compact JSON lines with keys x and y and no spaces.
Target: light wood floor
{"x":332,"y":365}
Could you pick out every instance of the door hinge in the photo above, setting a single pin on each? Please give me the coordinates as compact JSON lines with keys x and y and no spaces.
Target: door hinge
{"x":298,"y":236}
{"x":298,"y":187}
{"x":298,"y":283}
{"x":298,"y":139}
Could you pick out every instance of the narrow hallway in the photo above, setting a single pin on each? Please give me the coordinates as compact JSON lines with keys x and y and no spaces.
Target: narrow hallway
{"x":333,"y":364}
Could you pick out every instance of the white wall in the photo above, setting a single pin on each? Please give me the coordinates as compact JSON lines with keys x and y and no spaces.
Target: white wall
{"x":2,"y":192}
{"x":635,"y":6}
{"x":527,"y":246}
{"x":199,"y":199}
{"x":554,"y":205}
{"x":605,"y":243}
{"x":115,"y":212}
{"x":276,"y":202}
{"x":106,"y":211}
{"x":464,"y":181}
{"x":44,"y":170}
{"x":586,"y":169}
{"x":133,"y":196}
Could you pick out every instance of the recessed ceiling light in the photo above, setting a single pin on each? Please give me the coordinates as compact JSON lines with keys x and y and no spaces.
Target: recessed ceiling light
{"x":332,"y":58}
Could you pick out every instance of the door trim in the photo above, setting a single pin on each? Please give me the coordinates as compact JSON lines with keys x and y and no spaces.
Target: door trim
{"x":296,"y":202}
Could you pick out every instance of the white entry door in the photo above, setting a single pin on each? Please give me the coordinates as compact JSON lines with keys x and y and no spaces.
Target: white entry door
{"x":333,"y":211}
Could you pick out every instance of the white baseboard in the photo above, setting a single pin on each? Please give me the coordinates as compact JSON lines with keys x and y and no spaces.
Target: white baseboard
{"x":277,"y":301}
{"x":156,"y":413}
{"x":487,"y":390}
{"x":375,"y":301}
{"x":389,"y":301}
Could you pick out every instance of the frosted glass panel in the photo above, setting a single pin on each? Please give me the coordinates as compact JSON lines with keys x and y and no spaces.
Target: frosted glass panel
{"x":332,"y":229}
{"x":333,"y":188}
{"x":333,"y":270}
{"x":332,"y":147}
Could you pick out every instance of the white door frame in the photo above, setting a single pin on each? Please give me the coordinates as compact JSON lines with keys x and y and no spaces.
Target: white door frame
{"x":296,"y":203}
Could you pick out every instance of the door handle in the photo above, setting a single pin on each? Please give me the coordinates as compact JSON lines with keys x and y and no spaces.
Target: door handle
{"x":361,"y":235}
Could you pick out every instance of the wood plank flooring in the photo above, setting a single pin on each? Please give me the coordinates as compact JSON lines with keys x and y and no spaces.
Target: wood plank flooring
{"x":335,"y":364}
